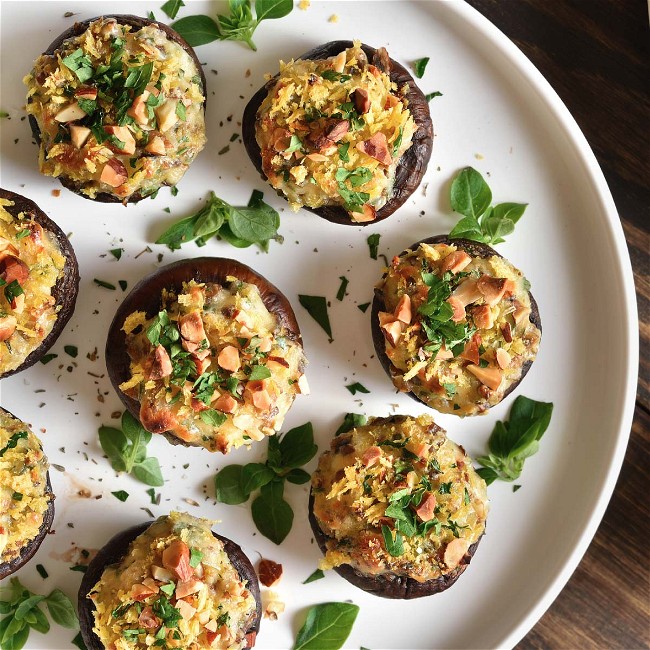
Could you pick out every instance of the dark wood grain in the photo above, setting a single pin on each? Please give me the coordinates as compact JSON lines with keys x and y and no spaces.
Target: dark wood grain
{"x":595,"y":54}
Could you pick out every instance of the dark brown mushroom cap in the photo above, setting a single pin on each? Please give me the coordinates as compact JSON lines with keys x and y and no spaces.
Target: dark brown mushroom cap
{"x":146,"y":296}
{"x":473,"y":248}
{"x":390,"y":585}
{"x":66,"y":288}
{"x":412,"y":165}
{"x":113,"y":552}
{"x":28,"y":551}
{"x":123,"y":19}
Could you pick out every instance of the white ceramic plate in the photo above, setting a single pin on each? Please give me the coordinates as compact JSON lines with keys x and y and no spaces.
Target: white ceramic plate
{"x":497,"y":114}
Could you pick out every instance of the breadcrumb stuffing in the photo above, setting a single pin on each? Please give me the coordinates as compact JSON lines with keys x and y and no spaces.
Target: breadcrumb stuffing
{"x":334,"y":18}
{"x":304,"y":5}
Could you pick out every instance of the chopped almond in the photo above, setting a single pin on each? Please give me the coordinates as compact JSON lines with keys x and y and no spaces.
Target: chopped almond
{"x":520,"y":312}
{"x":269,"y":572}
{"x":202,"y":364}
{"x":336,"y":129}
{"x":186,"y":610}
{"x":17,"y":303}
{"x":140,"y":592}
{"x":114,"y":173}
{"x":369,"y":213}
{"x":425,"y":511}
{"x":86,"y":92}
{"x":225,"y":403}
{"x":467,"y":291}
{"x":156,"y":146}
{"x":361,"y":100}
{"x":13,"y":268}
{"x":317,"y":157}
{"x":421,"y":450}
{"x":510,"y":287}
{"x":386,"y":317}
{"x":303,"y":386}
{"x":191,"y":327}
{"x":148,"y":619}
{"x":376,"y":147}
{"x":7,"y":327}
{"x":471,"y":351}
{"x":123,"y":134}
{"x":187,"y":588}
{"x":160,"y":365}
{"x":6,"y":245}
{"x":228,"y":358}
{"x":458,"y":309}
{"x":70,"y":113}
{"x":490,"y":376}
{"x":506,"y":330}
{"x":491,"y":288}
{"x":166,"y":115}
{"x":244,"y":319}
{"x":444,"y":354}
{"x":391,"y":102}
{"x":483,"y":318}
{"x":266,"y":344}
{"x":455,"y":552}
{"x":392,"y":331}
{"x":256,"y":392}
{"x":371,"y":456}
{"x":79,"y":135}
{"x":138,"y":110}
{"x":176,"y":558}
{"x":503,"y":358}
{"x":160,"y":574}
{"x":277,"y":361}
{"x":403,"y":309}
{"x":339,"y":61}
{"x":455,"y":262}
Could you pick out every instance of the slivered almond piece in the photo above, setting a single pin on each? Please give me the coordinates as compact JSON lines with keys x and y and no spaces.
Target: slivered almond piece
{"x":176,"y":558}
{"x":141,"y":592}
{"x":191,"y":327}
{"x":520,"y":312}
{"x":503,"y":358}
{"x":138,"y":110}
{"x":225,"y":403}
{"x":490,"y":376}
{"x":471,"y":351}
{"x":369,"y":213}
{"x":244,"y":319}
{"x":161,"y":364}
{"x":70,"y":113}
{"x":79,"y":135}
{"x":317,"y":157}
{"x":160,"y":574}
{"x":7,"y":327}
{"x":6,"y":245}
{"x":371,"y":456}
{"x":425,"y":511}
{"x":123,"y":134}
{"x":386,"y":317}
{"x":392,"y":331}
{"x":187,"y":588}
{"x":458,"y":309}
{"x":491,"y":288}
{"x":156,"y":146}
{"x":403,"y":309}
{"x":455,"y":262}
{"x":444,"y":354}
{"x":166,"y":115}
{"x":228,"y":358}
{"x":467,"y":291}
{"x":455,"y":552}
{"x":86,"y":92}
{"x":114,"y":173}
{"x":376,"y":147}
{"x":483,"y":318}
{"x":187,"y":611}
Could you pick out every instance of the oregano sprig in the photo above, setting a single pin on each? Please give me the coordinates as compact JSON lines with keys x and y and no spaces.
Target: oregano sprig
{"x":286,"y":454}
{"x":471,"y":196}
{"x":127,"y":450}
{"x":22,"y":610}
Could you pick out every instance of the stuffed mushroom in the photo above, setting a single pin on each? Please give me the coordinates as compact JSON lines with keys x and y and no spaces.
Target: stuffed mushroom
{"x":117,"y":105}
{"x":171,"y":583}
{"x":39,"y":281}
{"x":25,"y":493}
{"x":207,"y":352}
{"x":397,"y":508}
{"x":455,"y":325}
{"x":342,"y":131}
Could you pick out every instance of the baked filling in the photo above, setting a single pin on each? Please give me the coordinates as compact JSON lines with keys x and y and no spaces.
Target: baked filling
{"x":332,"y":132}
{"x":457,"y":328}
{"x":120,"y":110}
{"x":214,"y":368}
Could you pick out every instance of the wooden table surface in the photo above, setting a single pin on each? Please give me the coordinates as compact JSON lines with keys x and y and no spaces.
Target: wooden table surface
{"x":595,"y":54}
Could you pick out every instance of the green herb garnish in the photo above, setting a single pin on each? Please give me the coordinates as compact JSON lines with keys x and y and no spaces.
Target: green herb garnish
{"x":340,"y":294}
{"x":513,"y":441}
{"x":316,"y":306}
{"x":430,"y":96}
{"x":419,"y":66}
{"x":127,"y":452}
{"x":171,"y":7}
{"x":327,"y":626}
{"x":350,"y":421}
{"x":471,"y":196}
{"x":373,"y":245}
{"x":316,"y":575}
{"x":106,"y":285}
{"x":121,"y":495}
{"x":356,"y":387}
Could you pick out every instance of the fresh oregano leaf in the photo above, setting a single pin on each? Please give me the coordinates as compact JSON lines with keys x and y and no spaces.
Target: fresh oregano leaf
{"x":297,"y":446}
{"x":61,"y":609}
{"x":255,"y":475}
{"x":197,"y":30}
{"x":327,"y":626}
{"x":350,"y":421}
{"x":148,"y":472}
{"x":356,"y":387}
{"x":419,"y":66}
{"x":229,"y":485}
{"x":373,"y":245}
{"x":272,"y":515}
{"x":316,"y":575}
{"x":298,"y":476}
{"x":171,"y":7}
{"x":470,"y":194}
